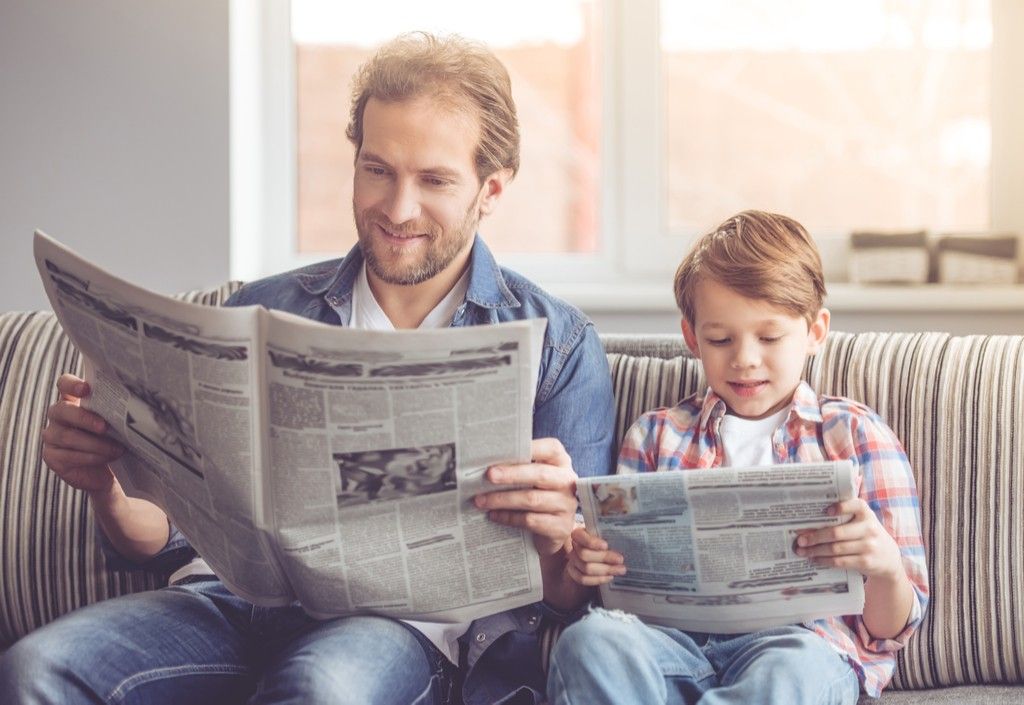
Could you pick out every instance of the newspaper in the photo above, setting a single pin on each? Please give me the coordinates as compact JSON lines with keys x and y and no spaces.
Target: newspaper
{"x":310,"y":462}
{"x":712,"y":550}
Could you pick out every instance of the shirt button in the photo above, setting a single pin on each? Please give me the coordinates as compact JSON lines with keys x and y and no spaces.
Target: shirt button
{"x":481,"y":637}
{"x":532,"y":620}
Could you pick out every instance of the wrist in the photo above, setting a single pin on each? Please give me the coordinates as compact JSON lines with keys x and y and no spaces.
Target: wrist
{"x":108,"y":500}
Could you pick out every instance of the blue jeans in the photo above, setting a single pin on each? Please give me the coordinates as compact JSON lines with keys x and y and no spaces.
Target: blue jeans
{"x":615,"y":658}
{"x":198,"y":643}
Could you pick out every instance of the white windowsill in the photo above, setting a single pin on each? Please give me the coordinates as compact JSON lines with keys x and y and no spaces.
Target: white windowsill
{"x":841,"y":297}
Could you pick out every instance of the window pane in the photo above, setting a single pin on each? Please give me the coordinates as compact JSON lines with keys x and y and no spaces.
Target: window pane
{"x":846,"y":114}
{"x":553,"y":204}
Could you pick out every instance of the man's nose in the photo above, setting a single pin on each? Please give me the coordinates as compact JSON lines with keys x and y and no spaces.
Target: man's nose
{"x":402,"y":203}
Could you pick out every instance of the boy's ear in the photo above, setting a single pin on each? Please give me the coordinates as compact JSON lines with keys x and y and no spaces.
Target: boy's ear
{"x":690,"y":337}
{"x":818,"y":331}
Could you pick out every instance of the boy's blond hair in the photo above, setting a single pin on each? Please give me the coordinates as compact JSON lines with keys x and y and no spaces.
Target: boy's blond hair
{"x":758,"y":255}
{"x":450,"y":69}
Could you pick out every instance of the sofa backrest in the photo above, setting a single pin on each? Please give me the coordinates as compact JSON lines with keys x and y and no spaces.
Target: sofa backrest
{"x":955,"y":402}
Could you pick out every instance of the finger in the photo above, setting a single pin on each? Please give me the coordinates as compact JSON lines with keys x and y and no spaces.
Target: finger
{"x":606,"y":557}
{"x":844,"y":562}
{"x":545,"y":525}
{"x":68,"y":438}
{"x":68,"y":414}
{"x":836,"y":548}
{"x":529,"y":500}
{"x":541,"y":476}
{"x":61,"y":459}
{"x":831,"y":534}
{"x":71,"y":387}
{"x":584,"y":539}
{"x":855,"y":506}
{"x":588,"y":580}
{"x":550,"y":451}
{"x":598,"y":568}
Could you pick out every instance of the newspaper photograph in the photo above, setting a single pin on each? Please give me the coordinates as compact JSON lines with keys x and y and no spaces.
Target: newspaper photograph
{"x":712,"y":550}
{"x":309,"y":462}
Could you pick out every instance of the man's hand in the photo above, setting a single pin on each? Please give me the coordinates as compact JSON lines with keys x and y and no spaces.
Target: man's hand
{"x":591,"y":562}
{"x":545,"y":504}
{"x":74,"y":446}
{"x":862,"y":543}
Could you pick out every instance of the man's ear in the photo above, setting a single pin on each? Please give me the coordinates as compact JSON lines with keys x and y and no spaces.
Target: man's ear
{"x":493,"y":187}
{"x":818,"y":331}
{"x":690,"y":337}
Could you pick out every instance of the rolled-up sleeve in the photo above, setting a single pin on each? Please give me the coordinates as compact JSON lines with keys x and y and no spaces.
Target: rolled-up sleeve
{"x":175,"y":553}
{"x":889,"y":488}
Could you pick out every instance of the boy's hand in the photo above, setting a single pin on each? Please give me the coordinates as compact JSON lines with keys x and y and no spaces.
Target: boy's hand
{"x":591,"y":563}
{"x":74,"y":446}
{"x":862,"y":543}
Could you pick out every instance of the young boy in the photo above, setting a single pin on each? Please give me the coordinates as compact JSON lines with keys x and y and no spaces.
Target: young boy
{"x":751,"y":296}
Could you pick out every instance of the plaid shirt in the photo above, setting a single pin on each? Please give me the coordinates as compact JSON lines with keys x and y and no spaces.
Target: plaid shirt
{"x":817,"y":429}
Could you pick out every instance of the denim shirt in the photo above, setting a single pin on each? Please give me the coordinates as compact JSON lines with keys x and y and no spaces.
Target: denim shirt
{"x":573,"y":403}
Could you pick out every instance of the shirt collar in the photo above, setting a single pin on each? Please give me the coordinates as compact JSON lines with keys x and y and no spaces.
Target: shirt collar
{"x":487,"y":285}
{"x":805,"y":406}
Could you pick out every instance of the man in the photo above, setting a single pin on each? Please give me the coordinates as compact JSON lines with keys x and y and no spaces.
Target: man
{"x":437,"y":141}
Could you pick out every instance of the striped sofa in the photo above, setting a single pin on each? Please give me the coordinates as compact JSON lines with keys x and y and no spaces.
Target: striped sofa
{"x":955,"y":402}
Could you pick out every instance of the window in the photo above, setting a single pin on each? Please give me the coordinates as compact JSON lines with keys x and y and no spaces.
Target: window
{"x":868,"y":114}
{"x":646,"y":122}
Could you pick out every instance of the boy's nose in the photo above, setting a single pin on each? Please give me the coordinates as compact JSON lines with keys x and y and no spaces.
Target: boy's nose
{"x":746,"y":356}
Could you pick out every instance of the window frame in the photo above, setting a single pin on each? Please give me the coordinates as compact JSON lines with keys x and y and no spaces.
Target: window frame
{"x":621,"y":275}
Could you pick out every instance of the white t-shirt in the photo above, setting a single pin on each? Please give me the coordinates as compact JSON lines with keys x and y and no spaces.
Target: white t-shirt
{"x":748,"y":442}
{"x":368,"y":315}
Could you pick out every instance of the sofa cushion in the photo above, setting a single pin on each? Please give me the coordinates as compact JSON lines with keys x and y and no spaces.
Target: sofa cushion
{"x":956,"y":403}
{"x":50,"y":562}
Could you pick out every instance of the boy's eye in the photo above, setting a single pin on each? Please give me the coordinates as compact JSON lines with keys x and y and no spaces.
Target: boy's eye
{"x":718,"y":341}
{"x":770,"y":339}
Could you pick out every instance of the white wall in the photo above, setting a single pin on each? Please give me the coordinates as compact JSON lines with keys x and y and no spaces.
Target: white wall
{"x":114,"y":139}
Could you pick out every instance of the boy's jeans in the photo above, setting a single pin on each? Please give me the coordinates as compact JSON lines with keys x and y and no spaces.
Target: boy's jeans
{"x":614,"y":658}
{"x":198,"y":643}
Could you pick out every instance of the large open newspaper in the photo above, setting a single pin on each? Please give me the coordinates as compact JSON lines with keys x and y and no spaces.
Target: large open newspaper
{"x":310,"y":462}
{"x":712,"y":550}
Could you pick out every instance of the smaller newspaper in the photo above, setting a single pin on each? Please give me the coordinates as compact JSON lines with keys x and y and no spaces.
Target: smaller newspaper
{"x":712,"y":550}
{"x":308,"y":462}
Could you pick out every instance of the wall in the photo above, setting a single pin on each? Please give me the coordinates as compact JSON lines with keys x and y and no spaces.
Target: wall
{"x":114,"y":139}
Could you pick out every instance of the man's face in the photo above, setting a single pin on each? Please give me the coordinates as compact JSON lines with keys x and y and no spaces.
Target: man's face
{"x":417,"y":198}
{"x":753,"y":352}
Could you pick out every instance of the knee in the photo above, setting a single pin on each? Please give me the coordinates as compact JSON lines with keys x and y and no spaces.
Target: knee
{"x":600,"y":640}
{"x":34,"y":668}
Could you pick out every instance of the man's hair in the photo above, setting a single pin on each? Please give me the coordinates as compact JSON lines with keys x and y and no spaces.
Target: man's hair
{"x":758,"y":255}
{"x":462,"y":73}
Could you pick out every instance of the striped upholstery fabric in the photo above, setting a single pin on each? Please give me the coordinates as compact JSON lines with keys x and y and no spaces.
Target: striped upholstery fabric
{"x":957,"y":404}
{"x":49,"y":560}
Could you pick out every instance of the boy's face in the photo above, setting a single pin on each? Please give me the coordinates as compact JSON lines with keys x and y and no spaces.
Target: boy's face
{"x":753,"y":352}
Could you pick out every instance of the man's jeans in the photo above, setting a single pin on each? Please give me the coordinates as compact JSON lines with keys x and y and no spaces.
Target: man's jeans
{"x":611,"y":657}
{"x":198,"y":643}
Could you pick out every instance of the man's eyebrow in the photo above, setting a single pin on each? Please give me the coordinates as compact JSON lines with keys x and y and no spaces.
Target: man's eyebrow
{"x":365,"y":156}
{"x":447,"y":172}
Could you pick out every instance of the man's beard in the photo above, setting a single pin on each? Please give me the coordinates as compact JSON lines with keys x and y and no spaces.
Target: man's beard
{"x":442,"y":248}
